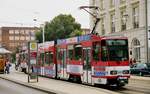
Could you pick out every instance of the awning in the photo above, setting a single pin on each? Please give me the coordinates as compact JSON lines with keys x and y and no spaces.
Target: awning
{"x":4,"y":51}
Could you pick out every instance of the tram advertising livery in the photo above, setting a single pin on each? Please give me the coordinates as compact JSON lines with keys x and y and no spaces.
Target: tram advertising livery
{"x":90,"y":59}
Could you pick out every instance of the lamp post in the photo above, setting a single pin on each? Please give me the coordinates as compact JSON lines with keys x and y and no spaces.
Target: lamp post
{"x":43,"y":31}
{"x":43,"y":40}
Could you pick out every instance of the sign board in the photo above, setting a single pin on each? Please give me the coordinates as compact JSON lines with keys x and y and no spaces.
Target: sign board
{"x":32,"y":62}
{"x":33,"y":46}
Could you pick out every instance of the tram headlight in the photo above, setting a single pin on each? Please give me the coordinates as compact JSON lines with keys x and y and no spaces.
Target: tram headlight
{"x":113,"y":72}
{"x":126,"y":71}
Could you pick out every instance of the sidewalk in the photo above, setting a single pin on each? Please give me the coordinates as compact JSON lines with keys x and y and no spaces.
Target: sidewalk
{"x":53,"y":86}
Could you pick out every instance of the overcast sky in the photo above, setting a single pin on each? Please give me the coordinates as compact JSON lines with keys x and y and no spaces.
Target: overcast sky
{"x":22,"y":12}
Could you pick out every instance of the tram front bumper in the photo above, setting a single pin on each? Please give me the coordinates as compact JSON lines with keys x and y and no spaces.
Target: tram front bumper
{"x":121,"y":81}
{"x":118,"y":81}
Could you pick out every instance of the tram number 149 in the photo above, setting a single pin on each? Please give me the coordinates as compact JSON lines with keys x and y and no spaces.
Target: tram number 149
{"x":99,"y":80}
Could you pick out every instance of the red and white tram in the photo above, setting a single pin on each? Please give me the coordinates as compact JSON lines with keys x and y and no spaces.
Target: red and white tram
{"x":90,"y":59}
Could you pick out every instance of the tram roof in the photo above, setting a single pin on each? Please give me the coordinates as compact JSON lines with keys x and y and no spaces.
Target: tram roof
{"x":79,"y":39}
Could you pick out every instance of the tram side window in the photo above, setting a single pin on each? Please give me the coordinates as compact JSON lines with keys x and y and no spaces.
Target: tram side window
{"x":51,"y":58}
{"x":104,"y":51}
{"x":47,"y":59}
{"x":42,"y":57}
{"x":78,"y":52}
{"x":96,"y":51}
{"x":59,"y":55}
{"x":70,"y":54}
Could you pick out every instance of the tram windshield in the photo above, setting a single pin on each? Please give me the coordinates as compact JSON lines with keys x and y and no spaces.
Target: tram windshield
{"x":115,"y":50}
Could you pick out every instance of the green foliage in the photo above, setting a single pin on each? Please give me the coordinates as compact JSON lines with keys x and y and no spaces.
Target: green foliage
{"x":76,"y":33}
{"x":39,"y":35}
{"x":62,"y":26}
{"x":13,"y":55}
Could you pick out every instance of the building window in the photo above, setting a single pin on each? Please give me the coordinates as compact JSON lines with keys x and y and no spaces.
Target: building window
{"x":11,"y":37}
{"x":27,"y":32}
{"x":122,"y":1}
{"x":136,"y":49}
{"x":135,"y":17}
{"x":11,"y":31}
{"x":32,"y":38}
{"x":102,"y":26}
{"x":112,"y":3}
{"x":27,"y":37}
{"x":22,"y":32}
{"x":123,"y":19}
{"x":113,"y":22}
{"x":102,"y":4}
{"x":22,"y":38}
{"x":16,"y":31}
{"x":16,"y":37}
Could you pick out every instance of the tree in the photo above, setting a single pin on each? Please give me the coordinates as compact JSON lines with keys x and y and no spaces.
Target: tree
{"x":62,"y":26}
{"x":76,"y":33}
{"x":38,"y":35}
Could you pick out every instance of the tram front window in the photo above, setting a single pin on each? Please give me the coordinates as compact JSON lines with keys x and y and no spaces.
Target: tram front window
{"x":118,"y":53}
{"x":117,"y":50}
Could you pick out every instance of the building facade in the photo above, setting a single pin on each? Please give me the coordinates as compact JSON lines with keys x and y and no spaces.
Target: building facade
{"x":13,"y":37}
{"x":130,"y":18}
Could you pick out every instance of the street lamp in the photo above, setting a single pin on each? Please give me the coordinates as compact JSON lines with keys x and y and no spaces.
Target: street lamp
{"x":43,"y":31}
{"x":43,"y":38}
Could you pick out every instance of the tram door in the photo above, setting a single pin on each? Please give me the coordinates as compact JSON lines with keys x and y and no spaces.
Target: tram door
{"x":63,"y":64}
{"x":87,"y":65}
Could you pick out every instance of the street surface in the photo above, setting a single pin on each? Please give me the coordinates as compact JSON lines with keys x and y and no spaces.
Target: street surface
{"x":135,"y":86}
{"x":7,"y":87}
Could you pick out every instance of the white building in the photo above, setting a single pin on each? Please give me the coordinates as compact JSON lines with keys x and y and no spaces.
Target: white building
{"x":128,"y":18}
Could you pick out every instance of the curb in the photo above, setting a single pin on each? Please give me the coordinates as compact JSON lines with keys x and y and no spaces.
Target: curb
{"x":140,"y":78}
{"x":33,"y":86}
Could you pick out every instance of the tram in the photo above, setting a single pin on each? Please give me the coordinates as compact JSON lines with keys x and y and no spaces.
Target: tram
{"x":90,"y":59}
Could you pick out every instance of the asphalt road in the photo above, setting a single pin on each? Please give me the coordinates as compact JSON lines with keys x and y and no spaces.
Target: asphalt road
{"x":7,"y":87}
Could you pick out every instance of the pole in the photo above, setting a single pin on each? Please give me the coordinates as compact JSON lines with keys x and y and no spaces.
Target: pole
{"x":29,"y":62}
{"x":146,"y":27}
{"x":43,"y":33}
{"x":43,"y":47}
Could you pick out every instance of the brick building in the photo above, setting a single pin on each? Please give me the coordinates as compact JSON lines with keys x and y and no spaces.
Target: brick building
{"x":13,"y":37}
